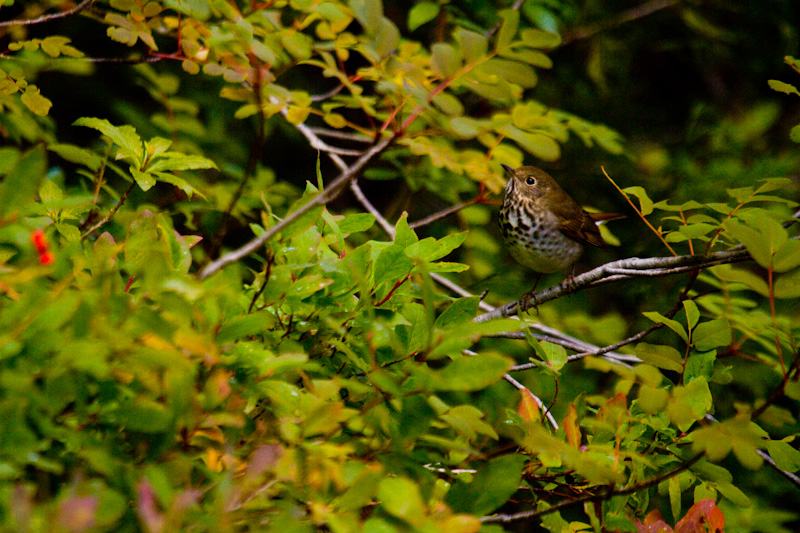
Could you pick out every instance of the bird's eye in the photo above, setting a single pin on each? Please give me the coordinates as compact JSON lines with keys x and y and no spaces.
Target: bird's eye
{"x":530,"y":181}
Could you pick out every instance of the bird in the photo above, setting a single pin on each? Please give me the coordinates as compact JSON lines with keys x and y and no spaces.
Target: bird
{"x":543,"y":228}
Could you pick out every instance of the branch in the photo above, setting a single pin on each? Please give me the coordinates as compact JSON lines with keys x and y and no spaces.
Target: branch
{"x":624,"y":269}
{"x":538,"y":401}
{"x":628,"y":15}
{"x":605,"y":494}
{"x":111,"y":213}
{"x":332,"y":191}
{"x":343,"y":135}
{"x":47,"y":18}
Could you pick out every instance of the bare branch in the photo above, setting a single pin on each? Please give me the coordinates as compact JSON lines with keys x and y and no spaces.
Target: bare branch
{"x":439,"y":214}
{"x":536,"y":399}
{"x":111,"y":213}
{"x":626,"y":16}
{"x":47,"y":18}
{"x":622,"y":270}
{"x":343,"y":135}
{"x":605,"y":493}
{"x":332,"y":191}
{"x":362,"y":198}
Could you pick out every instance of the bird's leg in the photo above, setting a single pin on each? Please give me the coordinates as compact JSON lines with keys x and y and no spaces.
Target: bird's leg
{"x":569,"y":281}
{"x":528,"y":299}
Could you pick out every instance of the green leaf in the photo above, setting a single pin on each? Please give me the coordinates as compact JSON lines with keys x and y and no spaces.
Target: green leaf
{"x":400,"y":497}
{"x":785,"y":456}
{"x":445,"y":60}
{"x":787,"y":256}
{"x":491,"y":486}
{"x":692,"y":313}
{"x":75,"y":154}
{"x":368,"y":13}
{"x":306,"y":220}
{"x":146,"y":416}
{"x":539,"y":39}
{"x":144,"y":180}
{"x":674,"y":490}
{"x":674,"y":325}
{"x":645,"y":203}
{"x":699,"y":364}
{"x":125,"y":137}
{"x":788,"y":285}
{"x":33,"y":100}
{"x":460,"y":311}
{"x":474,"y":46}
{"x":466,"y":420}
{"x":391,"y":265}
{"x":733,"y":493}
{"x":422,"y":13}
{"x":430,"y":250}
{"x":689,"y":403}
{"x":403,"y":235}
{"x":665,"y":357}
{"x":739,"y":435}
{"x":172,"y":161}
{"x":356,"y":223}
{"x":762,"y":236}
{"x":472,"y":373}
{"x":508,"y":28}
{"x":753,"y":281}
{"x":782,"y":87}
{"x":794,"y":134}
{"x":22,"y":182}
{"x":553,"y":354}
{"x":712,"y":334}
{"x":511,"y":71}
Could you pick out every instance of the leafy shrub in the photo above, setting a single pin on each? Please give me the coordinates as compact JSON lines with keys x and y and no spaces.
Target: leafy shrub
{"x":193,"y":335}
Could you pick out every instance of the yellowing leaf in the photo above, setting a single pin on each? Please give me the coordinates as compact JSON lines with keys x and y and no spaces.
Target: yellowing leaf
{"x":571,"y":426}
{"x":528,"y":407}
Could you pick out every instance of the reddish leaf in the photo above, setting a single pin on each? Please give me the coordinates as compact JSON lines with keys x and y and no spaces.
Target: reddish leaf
{"x":528,"y":407}
{"x":571,"y":427}
{"x":653,"y":523}
{"x":704,"y":516}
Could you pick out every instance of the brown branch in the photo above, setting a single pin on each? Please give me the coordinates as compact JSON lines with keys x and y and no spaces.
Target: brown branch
{"x":256,"y":149}
{"x":111,"y":213}
{"x":605,"y":493}
{"x":792,"y":373}
{"x":267,"y":273}
{"x":332,"y":191}
{"x":47,"y":18}
{"x":626,"y":16}
{"x":624,"y":269}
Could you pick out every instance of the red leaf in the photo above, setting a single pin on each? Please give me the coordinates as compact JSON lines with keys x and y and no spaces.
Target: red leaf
{"x":702,"y":517}
{"x":653,"y":523}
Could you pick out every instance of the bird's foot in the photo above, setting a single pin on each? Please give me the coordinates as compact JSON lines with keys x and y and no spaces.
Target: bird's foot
{"x":527,"y":302}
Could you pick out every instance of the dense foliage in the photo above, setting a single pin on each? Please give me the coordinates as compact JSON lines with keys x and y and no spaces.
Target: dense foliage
{"x":250,"y":277}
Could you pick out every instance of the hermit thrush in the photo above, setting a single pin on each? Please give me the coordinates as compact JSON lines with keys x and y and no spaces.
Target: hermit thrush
{"x":543,"y":227}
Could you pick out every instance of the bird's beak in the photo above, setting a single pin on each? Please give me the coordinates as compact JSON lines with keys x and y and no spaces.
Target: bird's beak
{"x":508,"y":168}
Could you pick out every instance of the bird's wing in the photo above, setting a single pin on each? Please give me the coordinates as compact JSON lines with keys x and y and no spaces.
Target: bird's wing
{"x":580,"y":226}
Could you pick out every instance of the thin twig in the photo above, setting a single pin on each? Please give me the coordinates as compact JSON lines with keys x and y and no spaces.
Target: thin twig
{"x":47,"y":18}
{"x":628,"y":15}
{"x":604,"y":494}
{"x":256,"y":149}
{"x":343,"y":135}
{"x":111,"y":213}
{"x":361,"y":197}
{"x":536,"y":399}
{"x":332,"y":191}
{"x":439,"y":214}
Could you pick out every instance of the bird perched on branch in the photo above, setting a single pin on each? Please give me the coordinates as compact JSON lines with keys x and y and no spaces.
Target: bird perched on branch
{"x":543,"y":228}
